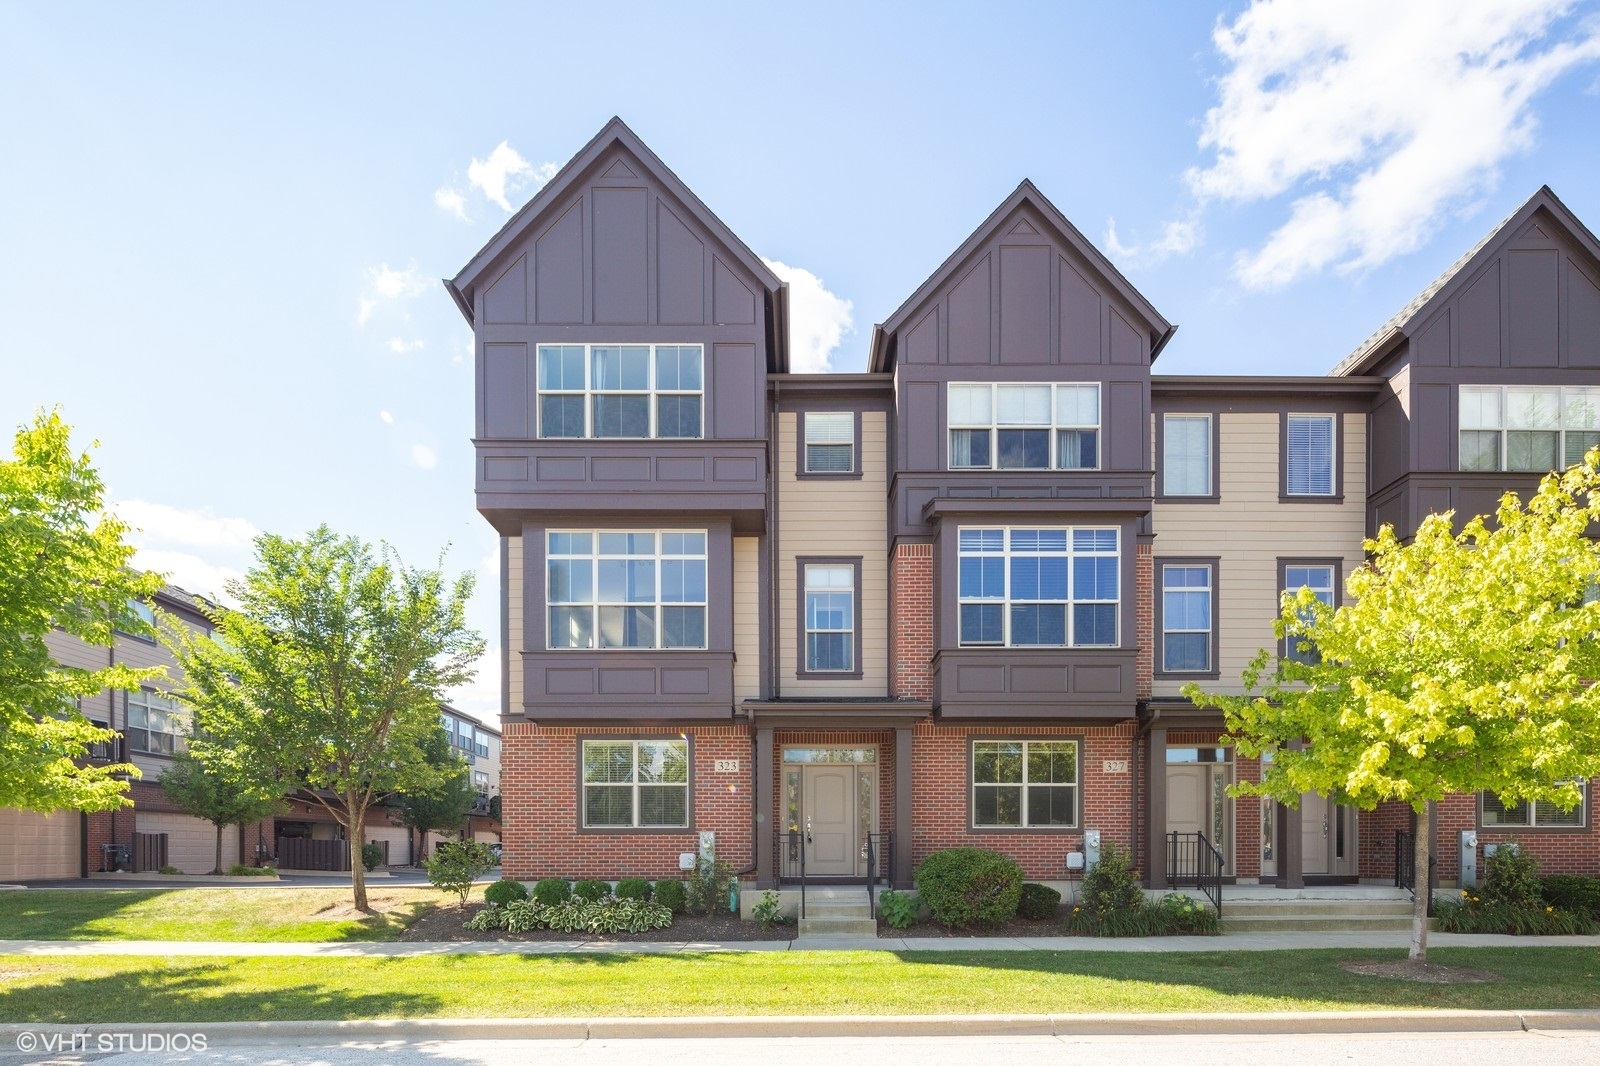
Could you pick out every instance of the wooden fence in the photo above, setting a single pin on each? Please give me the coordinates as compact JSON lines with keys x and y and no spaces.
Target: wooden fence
{"x":300,"y":853}
{"x":149,"y":852}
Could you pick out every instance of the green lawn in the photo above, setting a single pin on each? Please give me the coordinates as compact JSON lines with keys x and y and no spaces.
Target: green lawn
{"x":121,"y":988}
{"x":257,"y":914}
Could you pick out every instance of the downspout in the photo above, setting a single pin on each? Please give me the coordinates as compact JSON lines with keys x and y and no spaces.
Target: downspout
{"x":1140,"y":734}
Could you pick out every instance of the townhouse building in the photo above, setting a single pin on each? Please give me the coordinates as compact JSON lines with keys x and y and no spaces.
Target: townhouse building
{"x":851,"y":619}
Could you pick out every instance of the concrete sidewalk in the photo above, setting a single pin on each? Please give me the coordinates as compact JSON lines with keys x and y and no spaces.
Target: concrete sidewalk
{"x":388,"y":950}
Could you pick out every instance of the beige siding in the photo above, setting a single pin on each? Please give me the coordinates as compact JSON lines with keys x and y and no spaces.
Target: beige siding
{"x":746,"y":618}
{"x":142,"y":653}
{"x":514,"y":640}
{"x":191,"y":842}
{"x":38,"y":847}
{"x":1250,"y":530}
{"x":835,"y":517}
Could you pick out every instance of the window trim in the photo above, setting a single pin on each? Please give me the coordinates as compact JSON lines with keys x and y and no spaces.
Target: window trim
{"x":1053,"y":428}
{"x":1214,"y":418}
{"x":1337,"y":495}
{"x":1518,"y":830}
{"x":800,"y":670}
{"x":1212,"y":563}
{"x":180,"y":742}
{"x":581,"y":812}
{"x":1286,"y":561}
{"x":1076,"y":739}
{"x":589,"y":392}
{"x":857,"y":461}
{"x":1070,"y":602}
{"x":595,"y":603}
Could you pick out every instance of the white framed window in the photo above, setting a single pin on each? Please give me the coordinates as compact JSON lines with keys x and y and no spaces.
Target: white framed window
{"x":157,"y":724}
{"x":830,"y":442}
{"x":1186,"y":605}
{"x":1309,"y":455}
{"x":635,"y":784}
{"x":830,"y":617}
{"x":626,"y":589}
{"x":623,"y":391}
{"x":1186,"y":455}
{"x":1038,"y":587}
{"x":1532,"y":428}
{"x":1319,"y":578}
{"x":1506,"y":814}
{"x":1019,"y":784}
{"x":1024,"y":427}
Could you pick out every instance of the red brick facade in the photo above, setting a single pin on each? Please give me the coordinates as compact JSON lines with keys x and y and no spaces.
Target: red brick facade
{"x":911,"y":639}
{"x":1144,"y":662}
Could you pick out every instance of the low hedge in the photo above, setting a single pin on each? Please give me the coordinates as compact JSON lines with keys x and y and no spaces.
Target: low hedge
{"x":1038,"y":902}
{"x":965,"y":887}
{"x":552,"y":890}
{"x":593,"y":891}
{"x":506,"y":890}
{"x":634,"y":888}
{"x":671,"y":895}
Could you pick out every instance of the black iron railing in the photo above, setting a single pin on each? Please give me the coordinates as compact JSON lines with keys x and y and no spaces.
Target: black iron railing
{"x":876,"y":867}
{"x":878,"y":851}
{"x":1194,"y":862}
{"x":1405,"y":866}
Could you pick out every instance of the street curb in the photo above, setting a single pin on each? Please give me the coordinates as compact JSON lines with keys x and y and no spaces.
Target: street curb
{"x":315,"y":1033}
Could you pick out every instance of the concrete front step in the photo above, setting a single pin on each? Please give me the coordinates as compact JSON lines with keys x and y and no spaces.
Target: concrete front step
{"x":1288,"y":924}
{"x":833,"y":927}
{"x":1317,"y":908}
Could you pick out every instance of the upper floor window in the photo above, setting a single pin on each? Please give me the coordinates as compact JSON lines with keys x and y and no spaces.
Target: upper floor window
{"x":1309,"y":455}
{"x":1526,"y":814}
{"x":1319,"y":578}
{"x":1524,"y":427}
{"x":830,"y":617}
{"x":620,"y":390}
{"x":1024,"y":427}
{"x":1186,"y":455}
{"x":830,"y":442}
{"x":627,"y":589}
{"x":156,"y":723}
{"x":1038,"y":587}
{"x":1186,"y":606}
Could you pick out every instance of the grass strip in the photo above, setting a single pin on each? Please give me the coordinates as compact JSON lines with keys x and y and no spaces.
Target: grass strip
{"x":133,"y":989}
{"x":232,"y":914}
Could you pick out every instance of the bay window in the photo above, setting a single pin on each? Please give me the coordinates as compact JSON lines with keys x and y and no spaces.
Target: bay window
{"x":1038,"y":587}
{"x":626,"y":391}
{"x":1024,"y":427}
{"x":626,"y":589}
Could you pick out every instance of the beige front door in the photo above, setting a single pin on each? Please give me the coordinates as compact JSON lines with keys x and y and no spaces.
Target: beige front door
{"x":1327,"y":837}
{"x":1197,"y":802}
{"x":831,"y":820}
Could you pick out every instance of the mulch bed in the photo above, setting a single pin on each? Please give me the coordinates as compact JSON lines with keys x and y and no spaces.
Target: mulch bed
{"x":445,"y":925}
{"x":1426,"y":972}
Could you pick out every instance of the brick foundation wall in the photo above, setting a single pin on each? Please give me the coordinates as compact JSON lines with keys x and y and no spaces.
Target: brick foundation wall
{"x":941,"y":787}
{"x":541,"y":829}
{"x":911,"y":622}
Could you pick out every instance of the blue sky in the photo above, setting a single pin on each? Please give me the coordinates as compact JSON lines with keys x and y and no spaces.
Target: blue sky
{"x":221,"y":228}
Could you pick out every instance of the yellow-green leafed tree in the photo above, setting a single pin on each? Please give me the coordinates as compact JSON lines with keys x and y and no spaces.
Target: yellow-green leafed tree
{"x":63,"y":567}
{"x":1463,"y":664}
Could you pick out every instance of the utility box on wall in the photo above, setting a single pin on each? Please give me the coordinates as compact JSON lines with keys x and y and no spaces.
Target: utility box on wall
{"x":1469,"y":858}
{"x":1091,"y":849}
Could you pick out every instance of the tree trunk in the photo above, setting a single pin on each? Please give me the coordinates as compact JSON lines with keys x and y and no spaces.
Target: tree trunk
{"x":354,"y":832}
{"x":217,"y":868}
{"x":1422,"y":846}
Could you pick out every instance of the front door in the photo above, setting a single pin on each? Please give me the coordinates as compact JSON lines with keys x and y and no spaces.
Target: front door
{"x":1327,"y":837}
{"x":829,"y":796}
{"x":1197,"y":796}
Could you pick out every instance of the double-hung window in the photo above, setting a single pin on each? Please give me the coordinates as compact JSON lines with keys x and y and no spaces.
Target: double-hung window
{"x":1525,"y":814}
{"x":1525,"y":427}
{"x":830,"y":442}
{"x":1319,"y":578}
{"x":1023,"y":783}
{"x":1038,"y":587}
{"x":620,"y":390}
{"x":626,"y":589}
{"x":1309,"y":455}
{"x":1186,"y":605}
{"x":830,"y":617}
{"x":156,"y":724}
{"x":1024,"y":427}
{"x":1186,"y":455}
{"x":635,"y":784}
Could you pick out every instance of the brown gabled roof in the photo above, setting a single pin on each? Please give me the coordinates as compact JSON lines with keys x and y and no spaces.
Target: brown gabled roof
{"x":1025,"y":193}
{"x":614,"y":133}
{"x":1384,"y":339}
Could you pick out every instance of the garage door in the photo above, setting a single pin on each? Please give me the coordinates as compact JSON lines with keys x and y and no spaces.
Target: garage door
{"x":396,"y":836}
{"x":191,"y":842}
{"x":39,"y":847}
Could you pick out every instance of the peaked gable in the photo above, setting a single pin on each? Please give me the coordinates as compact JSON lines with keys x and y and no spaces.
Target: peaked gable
{"x":1025,"y":287}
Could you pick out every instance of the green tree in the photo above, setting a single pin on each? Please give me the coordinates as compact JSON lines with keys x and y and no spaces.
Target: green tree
{"x":199,"y":790}
{"x":63,"y":567}
{"x":327,"y":677}
{"x":1462,"y":665}
{"x":447,"y":805}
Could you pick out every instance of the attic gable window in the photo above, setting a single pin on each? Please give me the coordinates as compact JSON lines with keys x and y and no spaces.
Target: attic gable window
{"x":1024,"y":427}
{"x":621,"y":391}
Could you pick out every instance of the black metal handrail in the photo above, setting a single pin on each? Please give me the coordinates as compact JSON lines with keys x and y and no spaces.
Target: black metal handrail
{"x":878,"y":850}
{"x":1405,"y":866}
{"x":791,"y":862}
{"x":1194,"y":862}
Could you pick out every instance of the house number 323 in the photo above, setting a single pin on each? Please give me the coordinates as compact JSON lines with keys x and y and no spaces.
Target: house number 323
{"x":727,"y":766}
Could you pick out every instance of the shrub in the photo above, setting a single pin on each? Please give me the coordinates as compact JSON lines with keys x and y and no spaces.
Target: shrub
{"x":670,"y":894}
{"x":1473,"y":914}
{"x":1111,"y":887}
{"x":592,"y":891}
{"x":899,"y":909}
{"x":1038,"y":902}
{"x":1572,"y":892}
{"x":634,"y":888}
{"x":769,"y":910}
{"x":552,"y":890}
{"x":240,"y":870}
{"x":454,"y":866}
{"x":371,"y":855}
{"x":969,"y":886}
{"x":169,"y":870}
{"x":1174,"y":914}
{"x":707,"y":891}
{"x":522,"y":916}
{"x":1511,"y":878}
{"x":505,"y":891}
{"x":486,"y":919}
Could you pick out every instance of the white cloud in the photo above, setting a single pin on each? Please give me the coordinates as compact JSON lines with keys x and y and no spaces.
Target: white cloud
{"x":201,"y":528}
{"x":1379,"y":116}
{"x":385,"y":284}
{"x":505,"y":173}
{"x":400,"y":346}
{"x":388,"y":418}
{"x":818,"y":319}
{"x":190,"y":572}
{"x":424,"y":456}
{"x":197,"y":549}
{"x":1178,"y":237}
{"x":451,"y":201}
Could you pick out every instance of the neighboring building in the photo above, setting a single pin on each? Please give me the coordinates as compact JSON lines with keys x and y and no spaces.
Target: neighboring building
{"x":950,"y":601}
